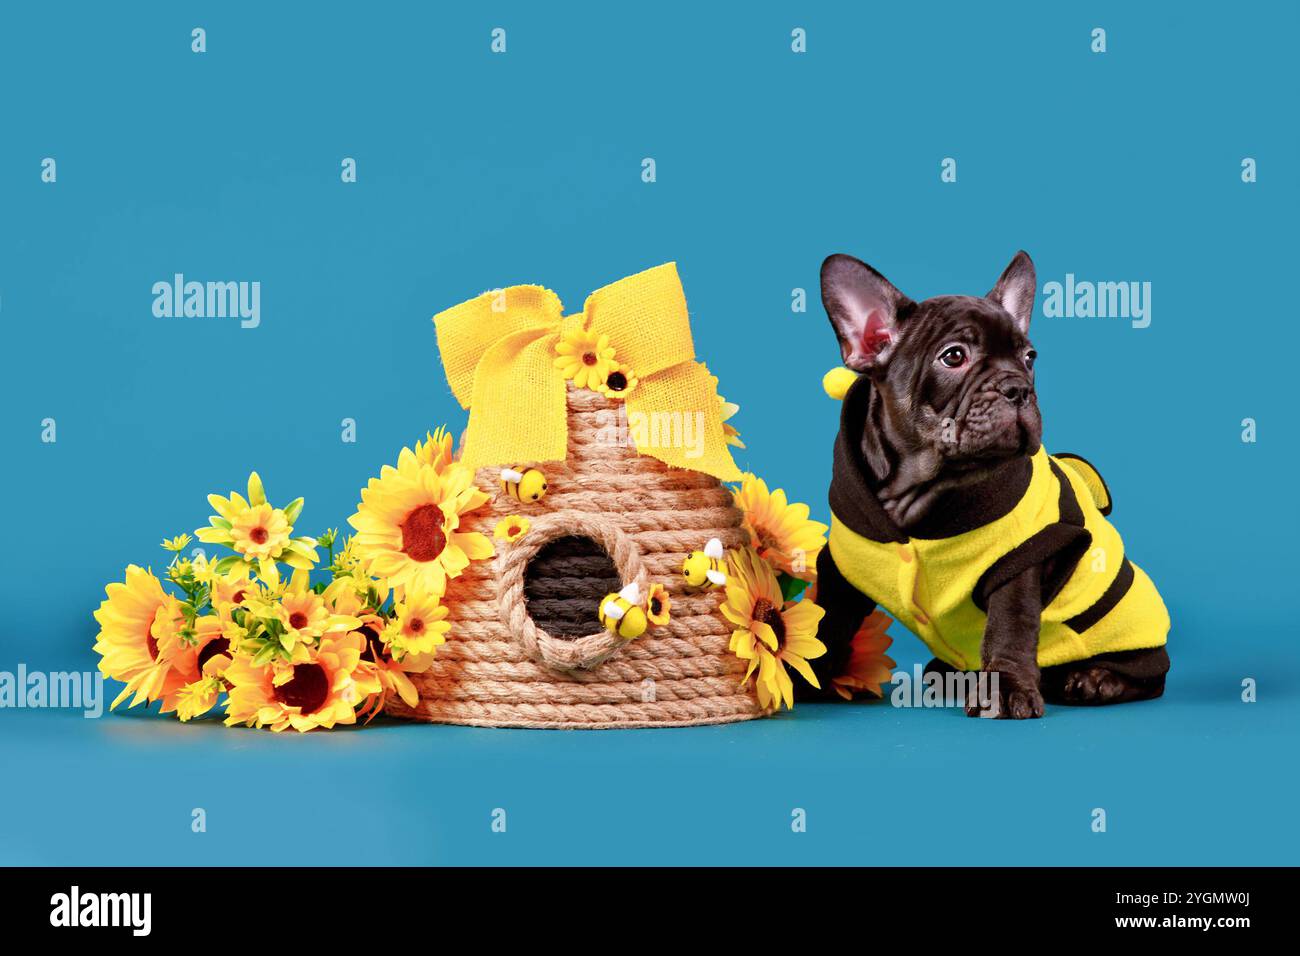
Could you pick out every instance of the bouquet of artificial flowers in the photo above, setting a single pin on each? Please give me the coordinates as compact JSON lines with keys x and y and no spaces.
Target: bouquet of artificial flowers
{"x":278,"y":651}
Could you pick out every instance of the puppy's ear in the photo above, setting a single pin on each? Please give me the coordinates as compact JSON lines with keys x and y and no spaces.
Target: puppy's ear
{"x":864,"y":309}
{"x":1015,"y":290}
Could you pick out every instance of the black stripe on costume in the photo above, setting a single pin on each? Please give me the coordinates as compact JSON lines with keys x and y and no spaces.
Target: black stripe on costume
{"x":1068,"y":504}
{"x":1057,"y":549}
{"x":1106,"y":603}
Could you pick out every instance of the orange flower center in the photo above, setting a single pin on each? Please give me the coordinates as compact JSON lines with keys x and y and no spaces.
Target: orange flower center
{"x":589,"y":358}
{"x":258,"y":535}
{"x":422,"y":536}
{"x":237,"y":597}
{"x":770,"y":614}
{"x":766,"y":540}
{"x":416,"y":625}
{"x":306,"y":689}
{"x":297,"y":620}
{"x":512,"y":530}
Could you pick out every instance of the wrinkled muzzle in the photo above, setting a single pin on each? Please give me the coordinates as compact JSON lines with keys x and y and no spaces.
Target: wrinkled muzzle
{"x":998,"y":418}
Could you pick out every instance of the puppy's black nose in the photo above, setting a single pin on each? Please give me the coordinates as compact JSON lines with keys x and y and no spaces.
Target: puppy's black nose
{"x":1014,"y":392}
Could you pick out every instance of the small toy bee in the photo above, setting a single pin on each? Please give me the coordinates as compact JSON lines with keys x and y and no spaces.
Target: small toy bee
{"x":622,"y":615}
{"x":703,"y":569}
{"x":527,"y":485}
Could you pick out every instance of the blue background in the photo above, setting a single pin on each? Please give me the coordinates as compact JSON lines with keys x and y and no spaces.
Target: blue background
{"x":479,"y":170}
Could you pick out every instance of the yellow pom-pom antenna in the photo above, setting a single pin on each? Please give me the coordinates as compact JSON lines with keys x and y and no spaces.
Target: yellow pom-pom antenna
{"x":837,"y":382}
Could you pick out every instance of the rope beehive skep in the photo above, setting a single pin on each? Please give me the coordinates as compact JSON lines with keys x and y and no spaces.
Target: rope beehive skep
{"x":499,"y":668}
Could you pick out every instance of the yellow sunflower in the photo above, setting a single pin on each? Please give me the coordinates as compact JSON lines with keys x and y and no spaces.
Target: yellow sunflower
{"x":511,"y":528}
{"x":303,"y":615}
{"x":407,"y":525}
{"x":770,"y":633}
{"x":205,"y":650}
{"x":584,"y":357}
{"x":390,"y":672}
{"x":868,"y":666}
{"x":203,"y":663}
{"x":139,"y":637}
{"x":418,"y":626}
{"x":231,"y":589}
{"x":618,"y":383}
{"x":210,"y":651}
{"x":781,"y":533}
{"x":260,"y":533}
{"x":321,"y":687}
{"x":658,"y":605}
{"x":303,"y":612}
{"x":435,"y":450}
{"x":362,"y":599}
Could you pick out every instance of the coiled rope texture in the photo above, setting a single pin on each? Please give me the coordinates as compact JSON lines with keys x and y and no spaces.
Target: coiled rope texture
{"x":499,"y":669}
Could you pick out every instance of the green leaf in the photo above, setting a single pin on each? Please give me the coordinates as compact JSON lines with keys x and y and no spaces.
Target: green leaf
{"x":791,"y":587}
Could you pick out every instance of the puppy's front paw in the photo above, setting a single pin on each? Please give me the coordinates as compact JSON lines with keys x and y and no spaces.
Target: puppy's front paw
{"x":1005,"y":694}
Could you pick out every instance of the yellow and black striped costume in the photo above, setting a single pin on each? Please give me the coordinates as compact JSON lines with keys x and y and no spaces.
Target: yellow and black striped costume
{"x":1044,"y":510}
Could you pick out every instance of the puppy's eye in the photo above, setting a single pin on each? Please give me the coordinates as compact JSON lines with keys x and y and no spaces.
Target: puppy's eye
{"x":1029,"y":359}
{"x":954,"y":356}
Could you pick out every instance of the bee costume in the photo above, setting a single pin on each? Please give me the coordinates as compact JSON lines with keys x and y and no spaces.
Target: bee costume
{"x":1045,"y":510}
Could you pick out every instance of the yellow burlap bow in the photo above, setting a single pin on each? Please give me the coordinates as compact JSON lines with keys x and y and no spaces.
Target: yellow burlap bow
{"x":499,"y":354}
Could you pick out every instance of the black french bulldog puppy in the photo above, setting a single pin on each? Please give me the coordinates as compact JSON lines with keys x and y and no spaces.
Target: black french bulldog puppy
{"x":949,"y":514}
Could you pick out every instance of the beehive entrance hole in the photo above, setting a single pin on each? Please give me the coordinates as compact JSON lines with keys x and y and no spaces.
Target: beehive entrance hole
{"x":564,"y":582}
